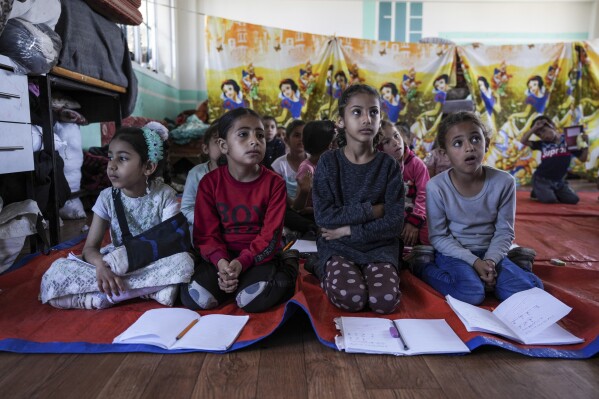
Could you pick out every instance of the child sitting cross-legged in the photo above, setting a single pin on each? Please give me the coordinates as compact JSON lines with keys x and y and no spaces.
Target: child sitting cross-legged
{"x":470,"y":212}
{"x":135,"y":158}
{"x":238,"y":225}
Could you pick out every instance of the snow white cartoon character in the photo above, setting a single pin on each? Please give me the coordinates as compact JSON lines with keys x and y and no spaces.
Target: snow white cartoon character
{"x":231,"y":95}
{"x":536,"y":97}
{"x":392,"y":104}
{"x":490,"y":103}
{"x":291,"y":101}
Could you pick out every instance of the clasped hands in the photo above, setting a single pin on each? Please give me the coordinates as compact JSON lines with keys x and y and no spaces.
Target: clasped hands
{"x":228,"y":274}
{"x":486,"y":271}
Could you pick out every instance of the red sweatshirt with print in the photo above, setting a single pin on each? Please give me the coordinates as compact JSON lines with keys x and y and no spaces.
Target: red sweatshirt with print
{"x":233,"y":217}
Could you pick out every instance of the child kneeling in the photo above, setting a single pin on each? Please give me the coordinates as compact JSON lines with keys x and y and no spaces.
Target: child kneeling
{"x":238,"y":225}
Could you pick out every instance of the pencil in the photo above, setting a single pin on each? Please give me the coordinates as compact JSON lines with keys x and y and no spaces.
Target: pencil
{"x":405,"y":346}
{"x":289,"y":244}
{"x":186,"y":329}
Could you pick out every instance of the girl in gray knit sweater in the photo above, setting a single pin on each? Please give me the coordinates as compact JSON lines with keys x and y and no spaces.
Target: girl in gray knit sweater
{"x":358,"y":203}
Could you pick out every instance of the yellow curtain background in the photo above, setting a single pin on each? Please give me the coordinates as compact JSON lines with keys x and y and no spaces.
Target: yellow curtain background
{"x":289,"y":75}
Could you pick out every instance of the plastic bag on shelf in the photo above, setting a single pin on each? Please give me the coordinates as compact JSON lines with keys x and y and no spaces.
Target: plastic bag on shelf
{"x":33,"y":48}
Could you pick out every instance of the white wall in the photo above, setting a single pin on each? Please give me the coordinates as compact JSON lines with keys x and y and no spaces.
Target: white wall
{"x":542,"y":20}
{"x":340,"y":17}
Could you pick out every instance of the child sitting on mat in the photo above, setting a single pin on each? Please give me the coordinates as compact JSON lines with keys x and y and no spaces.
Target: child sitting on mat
{"x":239,"y":221}
{"x":470,"y":211}
{"x":549,"y":184}
{"x":358,"y":203}
{"x":136,"y":156}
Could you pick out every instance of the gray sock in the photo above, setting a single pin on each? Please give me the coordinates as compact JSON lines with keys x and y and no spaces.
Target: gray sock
{"x":250,"y":293}
{"x":202,"y":296}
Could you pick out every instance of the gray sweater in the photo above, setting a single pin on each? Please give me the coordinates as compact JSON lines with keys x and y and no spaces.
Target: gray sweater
{"x":459,"y":225}
{"x":343,"y":194}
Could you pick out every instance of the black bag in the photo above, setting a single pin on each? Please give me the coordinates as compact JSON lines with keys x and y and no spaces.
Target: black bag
{"x":167,"y":238}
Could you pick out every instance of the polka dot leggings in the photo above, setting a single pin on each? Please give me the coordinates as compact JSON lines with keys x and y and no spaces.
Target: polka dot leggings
{"x":353,"y":287}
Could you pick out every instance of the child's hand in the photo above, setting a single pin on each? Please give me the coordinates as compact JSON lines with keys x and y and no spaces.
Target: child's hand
{"x":333,"y":234}
{"x":538,"y":126}
{"x":486,"y":270}
{"x":409,"y":235}
{"x":234,"y":269}
{"x":108,"y":282}
{"x":305,"y":183}
{"x":378,"y":210}
{"x":226,"y":281}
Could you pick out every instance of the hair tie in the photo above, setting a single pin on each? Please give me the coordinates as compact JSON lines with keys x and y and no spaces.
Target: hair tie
{"x":155,"y":134}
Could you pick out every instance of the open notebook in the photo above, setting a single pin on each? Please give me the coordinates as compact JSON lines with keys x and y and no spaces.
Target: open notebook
{"x":379,"y":335}
{"x":529,"y":317}
{"x":162,"y":327}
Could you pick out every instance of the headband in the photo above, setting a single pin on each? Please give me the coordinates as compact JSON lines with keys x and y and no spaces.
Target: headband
{"x":155,"y":134}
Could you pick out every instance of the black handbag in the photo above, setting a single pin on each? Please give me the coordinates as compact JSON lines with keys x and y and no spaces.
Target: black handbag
{"x":167,"y":238}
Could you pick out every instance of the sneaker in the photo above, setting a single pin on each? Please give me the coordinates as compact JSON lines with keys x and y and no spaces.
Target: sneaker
{"x":311,"y":261}
{"x":420,"y":256}
{"x":523,"y":257}
{"x":289,"y":263}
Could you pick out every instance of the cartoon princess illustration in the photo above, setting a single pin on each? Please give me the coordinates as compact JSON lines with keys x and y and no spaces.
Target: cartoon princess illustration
{"x":339,"y":85}
{"x":291,"y":101}
{"x":490,"y":103}
{"x":392,"y":104}
{"x":231,"y":95}
{"x":574,"y":77}
{"x":440,"y":88}
{"x":536,"y":98}
{"x":551,"y":75}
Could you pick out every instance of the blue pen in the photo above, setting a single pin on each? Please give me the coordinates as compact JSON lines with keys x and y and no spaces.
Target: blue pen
{"x":395,"y":333}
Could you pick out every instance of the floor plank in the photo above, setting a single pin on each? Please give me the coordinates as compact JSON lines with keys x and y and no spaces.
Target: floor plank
{"x":331,"y":374}
{"x":282,"y":370}
{"x":405,"y":394}
{"x":232,"y":375}
{"x":400,"y":372}
{"x":30,"y":373}
{"x":84,"y":373}
{"x":129,"y":380}
{"x":175,"y":376}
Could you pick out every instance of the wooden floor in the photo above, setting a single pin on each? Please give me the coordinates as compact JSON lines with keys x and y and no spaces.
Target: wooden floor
{"x":292,"y":363}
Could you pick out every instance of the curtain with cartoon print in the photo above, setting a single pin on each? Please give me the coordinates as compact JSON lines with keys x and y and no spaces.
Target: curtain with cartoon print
{"x":290,"y":75}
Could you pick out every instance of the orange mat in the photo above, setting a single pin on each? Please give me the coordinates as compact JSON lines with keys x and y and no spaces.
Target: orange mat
{"x":554,"y":231}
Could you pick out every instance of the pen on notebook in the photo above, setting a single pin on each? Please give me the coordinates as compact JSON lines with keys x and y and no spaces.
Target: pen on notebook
{"x":395,"y":333}
{"x":186,"y":329}
{"x":289,"y":244}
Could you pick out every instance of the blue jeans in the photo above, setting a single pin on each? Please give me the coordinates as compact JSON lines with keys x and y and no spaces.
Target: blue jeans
{"x":550,"y":191}
{"x":460,"y":280}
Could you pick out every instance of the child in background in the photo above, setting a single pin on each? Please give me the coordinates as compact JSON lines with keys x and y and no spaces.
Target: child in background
{"x":274,"y":145}
{"x":318,"y":136}
{"x":470,"y":212}
{"x":358,"y":203}
{"x":436,"y":161}
{"x":415,"y":177}
{"x":241,"y":206}
{"x":136,"y":156}
{"x":209,"y":147}
{"x":287,"y":167}
{"x":408,"y":139}
{"x":549,"y":184}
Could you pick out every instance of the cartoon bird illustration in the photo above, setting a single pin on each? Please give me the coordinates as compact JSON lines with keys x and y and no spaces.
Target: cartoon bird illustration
{"x":219,"y":48}
{"x":277,"y":47}
{"x":383,"y":52}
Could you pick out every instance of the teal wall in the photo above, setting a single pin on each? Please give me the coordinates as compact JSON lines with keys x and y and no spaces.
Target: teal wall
{"x":368,"y":19}
{"x":155,"y":99}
